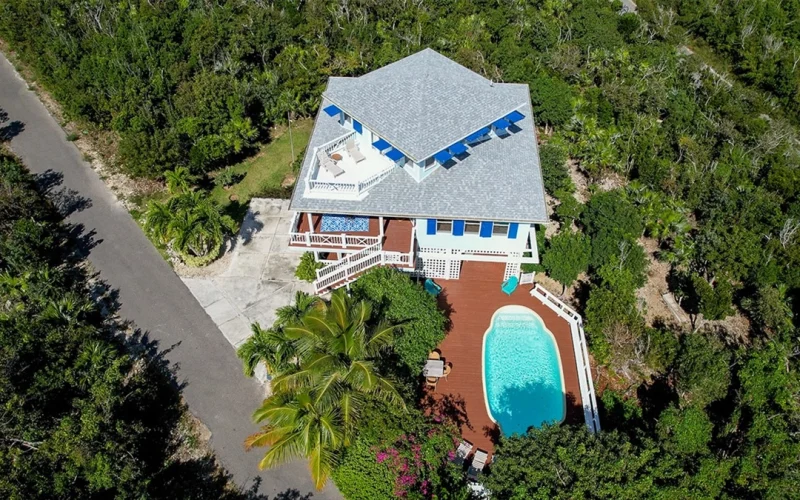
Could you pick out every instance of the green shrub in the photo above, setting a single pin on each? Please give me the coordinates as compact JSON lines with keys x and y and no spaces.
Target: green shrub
{"x":399,"y":300}
{"x":307,"y":268}
{"x":569,"y":209}
{"x":553,"y":159}
{"x":272,"y":191}
{"x":359,"y":476}
{"x":72,"y":137}
{"x":227,"y":178}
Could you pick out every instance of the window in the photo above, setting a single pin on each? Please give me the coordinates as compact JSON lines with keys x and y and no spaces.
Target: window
{"x":500,"y":229}
{"x":472,"y":227}
{"x":444,"y":226}
{"x":430,"y":162}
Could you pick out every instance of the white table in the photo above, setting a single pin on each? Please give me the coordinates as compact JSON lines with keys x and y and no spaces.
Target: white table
{"x":434,"y":368}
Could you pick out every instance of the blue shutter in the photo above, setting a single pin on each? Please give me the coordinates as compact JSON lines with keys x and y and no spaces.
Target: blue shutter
{"x":357,"y":127}
{"x":431,"y":226}
{"x":458,"y":228}
{"x":512,"y":230}
{"x":486,"y":229}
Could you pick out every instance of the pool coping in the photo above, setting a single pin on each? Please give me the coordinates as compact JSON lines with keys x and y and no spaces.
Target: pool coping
{"x":518,"y":308}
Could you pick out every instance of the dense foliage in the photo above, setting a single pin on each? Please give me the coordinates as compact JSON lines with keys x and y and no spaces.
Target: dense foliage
{"x":399,"y":300}
{"x":86,"y":412}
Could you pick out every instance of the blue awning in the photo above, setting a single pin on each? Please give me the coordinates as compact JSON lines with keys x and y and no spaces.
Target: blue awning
{"x":514,"y":116}
{"x":394,"y":154}
{"x":477,"y":135}
{"x":501,"y":124}
{"x":457,"y":148}
{"x":442,"y":156}
{"x":332,"y":110}
{"x":381,"y":145}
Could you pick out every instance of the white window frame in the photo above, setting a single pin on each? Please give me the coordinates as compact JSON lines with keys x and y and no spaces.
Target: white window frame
{"x":497,"y":225}
{"x":448,"y":226}
{"x":477,"y":225}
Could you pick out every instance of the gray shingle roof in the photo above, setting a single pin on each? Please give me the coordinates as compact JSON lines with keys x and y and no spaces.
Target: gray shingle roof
{"x":500,"y":179}
{"x":423,"y":103}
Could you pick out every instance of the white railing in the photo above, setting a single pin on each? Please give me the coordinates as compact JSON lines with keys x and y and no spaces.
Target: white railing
{"x":398,"y":258}
{"x":588,"y":397}
{"x":342,"y":187}
{"x":348,"y":267}
{"x":332,"y":240}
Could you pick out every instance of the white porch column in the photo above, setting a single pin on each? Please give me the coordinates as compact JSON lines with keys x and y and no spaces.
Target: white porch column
{"x":310,"y":223}
{"x":380,"y":224}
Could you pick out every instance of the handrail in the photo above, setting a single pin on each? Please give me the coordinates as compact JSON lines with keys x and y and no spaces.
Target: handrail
{"x":348,"y":267}
{"x":348,"y":260}
{"x":342,"y":240}
{"x":588,"y":397}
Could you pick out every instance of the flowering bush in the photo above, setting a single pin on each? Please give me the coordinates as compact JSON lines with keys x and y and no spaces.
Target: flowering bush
{"x":415,"y":462}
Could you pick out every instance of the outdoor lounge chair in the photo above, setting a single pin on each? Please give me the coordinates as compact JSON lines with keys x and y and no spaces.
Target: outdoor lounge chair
{"x":463,"y":451}
{"x":353,"y":151}
{"x":478,"y":463}
{"x":432,"y":288}
{"x":329,"y":165}
{"x":510,"y":285}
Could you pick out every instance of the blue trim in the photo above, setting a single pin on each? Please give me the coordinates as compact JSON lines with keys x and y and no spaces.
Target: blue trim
{"x":357,"y":127}
{"x":477,"y":135}
{"x":501,"y":124}
{"x":332,"y":110}
{"x":513,"y":228}
{"x":442,"y":156}
{"x":486,"y":229}
{"x":458,"y":228}
{"x":394,"y":154}
{"x":431,"y":226}
{"x":514,"y":116}
{"x":381,"y":145}
{"x":457,"y":148}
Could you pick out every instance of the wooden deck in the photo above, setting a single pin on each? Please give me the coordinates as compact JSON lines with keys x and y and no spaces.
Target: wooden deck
{"x":397,"y":232}
{"x":470,"y":303}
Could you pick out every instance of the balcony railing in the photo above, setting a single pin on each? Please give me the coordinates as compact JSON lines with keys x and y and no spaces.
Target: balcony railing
{"x":332,"y":240}
{"x":354,"y":188}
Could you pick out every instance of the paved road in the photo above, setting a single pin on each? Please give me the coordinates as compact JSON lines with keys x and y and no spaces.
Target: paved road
{"x":155,"y":299}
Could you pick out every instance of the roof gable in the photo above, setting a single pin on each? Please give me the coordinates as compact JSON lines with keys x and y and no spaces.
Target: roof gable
{"x":424,"y":103}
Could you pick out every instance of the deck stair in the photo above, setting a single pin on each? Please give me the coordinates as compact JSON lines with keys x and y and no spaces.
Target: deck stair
{"x":347,"y":269}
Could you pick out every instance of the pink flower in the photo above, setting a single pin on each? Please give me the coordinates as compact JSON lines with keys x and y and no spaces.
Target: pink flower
{"x":451,"y":455}
{"x":381,"y":457}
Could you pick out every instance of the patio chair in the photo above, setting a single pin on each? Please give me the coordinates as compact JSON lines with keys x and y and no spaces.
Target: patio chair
{"x":431,"y":381}
{"x":434,"y":355}
{"x":353,"y":151}
{"x":432,"y":287}
{"x":478,"y":463}
{"x":463,"y":451}
{"x":447,"y":369}
{"x":510,"y":285}
{"x":329,"y":164}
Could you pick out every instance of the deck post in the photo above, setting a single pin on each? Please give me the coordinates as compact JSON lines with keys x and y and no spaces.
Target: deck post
{"x":380,"y":226}
{"x":310,"y":222}
{"x":344,"y":240}
{"x":308,"y":239}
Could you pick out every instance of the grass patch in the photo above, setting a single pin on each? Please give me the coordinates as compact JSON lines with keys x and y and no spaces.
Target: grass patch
{"x":267,"y":169}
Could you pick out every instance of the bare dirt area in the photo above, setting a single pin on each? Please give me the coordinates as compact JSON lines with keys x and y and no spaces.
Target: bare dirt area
{"x":99,"y":147}
{"x":650,"y":294}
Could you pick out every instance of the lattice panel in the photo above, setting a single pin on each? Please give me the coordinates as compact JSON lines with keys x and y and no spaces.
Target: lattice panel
{"x":432,"y":268}
{"x":512,"y":269}
{"x":455,"y":270}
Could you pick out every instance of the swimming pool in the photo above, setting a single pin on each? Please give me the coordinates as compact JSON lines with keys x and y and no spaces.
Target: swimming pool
{"x":522,"y":378}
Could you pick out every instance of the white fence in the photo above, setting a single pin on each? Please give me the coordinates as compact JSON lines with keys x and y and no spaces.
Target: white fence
{"x":588,"y":397}
{"x":332,"y":240}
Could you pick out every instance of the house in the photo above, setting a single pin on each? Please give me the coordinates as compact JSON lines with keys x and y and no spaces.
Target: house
{"x":428,"y":167}
{"x":423,"y":165}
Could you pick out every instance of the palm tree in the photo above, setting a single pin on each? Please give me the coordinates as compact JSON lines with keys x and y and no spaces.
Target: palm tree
{"x":336,"y":350}
{"x":297,"y":427}
{"x":191,"y":224}
{"x":178,"y":180}
{"x":270,"y":347}
{"x":294,"y":313}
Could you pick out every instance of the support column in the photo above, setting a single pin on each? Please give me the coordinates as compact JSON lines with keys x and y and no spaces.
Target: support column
{"x":310,"y":223}
{"x":380,"y":225}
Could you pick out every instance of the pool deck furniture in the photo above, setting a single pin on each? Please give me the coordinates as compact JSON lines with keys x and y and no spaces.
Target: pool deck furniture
{"x":352,"y":150}
{"x":447,"y":369}
{"x":478,"y":463}
{"x":434,"y":355}
{"x":336,"y":157}
{"x":432,"y":287}
{"x":510,"y":285}
{"x":328,"y":164}
{"x":434,"y":368}
{"x":431,"y":381}
{"x":463,"y":451}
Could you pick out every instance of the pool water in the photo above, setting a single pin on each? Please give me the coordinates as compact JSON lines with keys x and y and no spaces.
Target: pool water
{"x":522,"y":379}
